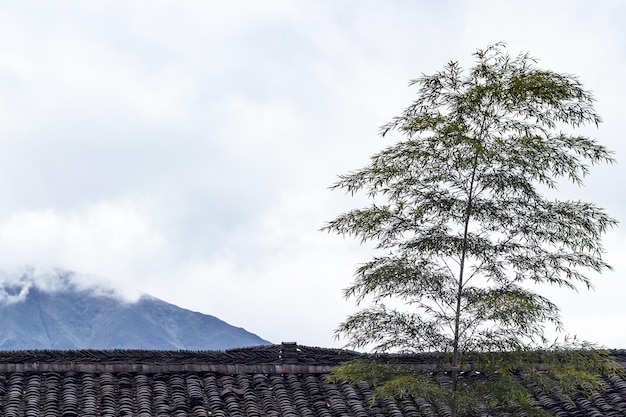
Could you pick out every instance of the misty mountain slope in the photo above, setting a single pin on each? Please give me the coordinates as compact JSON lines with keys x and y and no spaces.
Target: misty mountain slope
{"x":70,"y":318}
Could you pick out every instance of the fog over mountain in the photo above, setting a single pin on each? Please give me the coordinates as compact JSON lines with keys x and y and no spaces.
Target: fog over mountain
{"x":63,"y":310}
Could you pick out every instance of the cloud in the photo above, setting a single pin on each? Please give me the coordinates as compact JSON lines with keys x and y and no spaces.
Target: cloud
{"x":114,"y":240}
{"x":186,"y":148}
{"x":276,"y":274}
{"x":17,"y":282}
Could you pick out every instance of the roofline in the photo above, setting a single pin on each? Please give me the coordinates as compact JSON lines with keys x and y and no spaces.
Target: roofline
{"x":286,"y":358}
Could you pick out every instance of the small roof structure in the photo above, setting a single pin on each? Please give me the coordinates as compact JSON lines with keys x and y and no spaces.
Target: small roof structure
{"x":283,"y":380}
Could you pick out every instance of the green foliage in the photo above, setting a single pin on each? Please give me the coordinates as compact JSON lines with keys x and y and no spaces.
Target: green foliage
{"x":465,"y":233}
{"x":391,"y":379}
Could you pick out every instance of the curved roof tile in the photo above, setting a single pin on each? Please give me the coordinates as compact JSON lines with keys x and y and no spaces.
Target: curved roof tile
{"x":267,"y":381}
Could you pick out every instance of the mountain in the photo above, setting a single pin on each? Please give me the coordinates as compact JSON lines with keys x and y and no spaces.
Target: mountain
{"x":65,"y":316}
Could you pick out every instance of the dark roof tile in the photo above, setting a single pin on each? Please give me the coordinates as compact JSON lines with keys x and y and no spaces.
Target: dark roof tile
{"x":250,"y":382}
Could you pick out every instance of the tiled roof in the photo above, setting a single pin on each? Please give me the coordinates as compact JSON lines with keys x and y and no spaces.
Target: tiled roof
{"x":275,"y":381}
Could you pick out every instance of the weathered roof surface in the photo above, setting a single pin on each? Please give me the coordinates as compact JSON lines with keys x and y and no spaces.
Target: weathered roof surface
{"x":279,"y":380}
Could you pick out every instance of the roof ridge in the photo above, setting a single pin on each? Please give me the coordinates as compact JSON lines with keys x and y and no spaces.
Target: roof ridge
{"x":253,"y":356}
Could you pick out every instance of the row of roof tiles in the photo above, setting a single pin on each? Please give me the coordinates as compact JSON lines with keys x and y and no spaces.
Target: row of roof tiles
{"x":244,"y":391}
{"x":244,"y":395}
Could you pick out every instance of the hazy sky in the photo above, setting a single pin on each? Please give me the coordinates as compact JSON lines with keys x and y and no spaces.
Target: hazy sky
{"x":185,"y":148}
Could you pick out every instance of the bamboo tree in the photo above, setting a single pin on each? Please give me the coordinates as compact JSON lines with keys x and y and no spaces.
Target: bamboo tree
{"x":466,"y":235}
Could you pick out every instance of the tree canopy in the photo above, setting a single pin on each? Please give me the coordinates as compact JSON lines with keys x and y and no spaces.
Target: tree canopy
{"x":465,"y":232}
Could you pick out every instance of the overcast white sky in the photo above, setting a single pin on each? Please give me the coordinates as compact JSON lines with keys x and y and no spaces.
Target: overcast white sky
{"x":185,"y":148}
